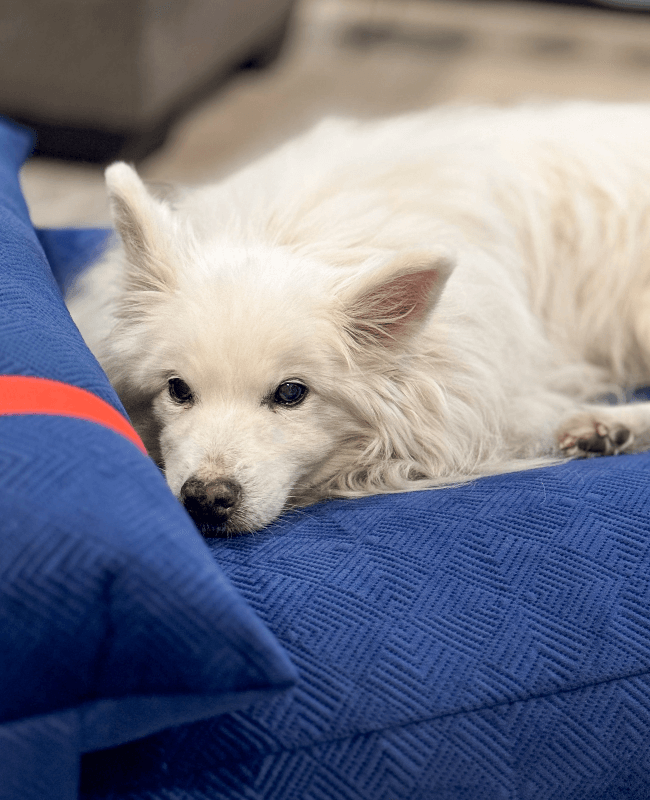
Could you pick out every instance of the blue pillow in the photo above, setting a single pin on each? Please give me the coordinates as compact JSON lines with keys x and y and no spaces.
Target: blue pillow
{"x":114,"y":619}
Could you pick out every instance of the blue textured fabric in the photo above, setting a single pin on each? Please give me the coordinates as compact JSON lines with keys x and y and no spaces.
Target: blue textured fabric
{"x":114,"y":619}
{"x":69,"y":250}
{"x":481,"y":643}
{"x":490,"y":641}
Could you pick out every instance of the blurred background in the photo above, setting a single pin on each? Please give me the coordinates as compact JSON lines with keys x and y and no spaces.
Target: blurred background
{"x":162,"y":84}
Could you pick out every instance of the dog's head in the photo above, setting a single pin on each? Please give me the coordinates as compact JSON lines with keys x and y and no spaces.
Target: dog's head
{"x":244,"y":365}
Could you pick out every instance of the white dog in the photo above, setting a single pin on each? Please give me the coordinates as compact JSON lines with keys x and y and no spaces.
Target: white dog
{"x":383,"y":306}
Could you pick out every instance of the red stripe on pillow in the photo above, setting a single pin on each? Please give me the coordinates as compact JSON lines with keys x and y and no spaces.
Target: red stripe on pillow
{"x":20,"y":394}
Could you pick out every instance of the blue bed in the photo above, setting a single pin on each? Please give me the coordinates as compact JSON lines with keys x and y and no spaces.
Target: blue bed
{"x":490,"y":641}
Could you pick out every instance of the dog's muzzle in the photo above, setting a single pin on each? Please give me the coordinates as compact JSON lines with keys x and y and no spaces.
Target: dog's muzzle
{"x":211,"y":504}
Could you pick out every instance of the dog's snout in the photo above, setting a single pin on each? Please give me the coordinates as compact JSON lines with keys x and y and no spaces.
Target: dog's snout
{"x":210,"y":502}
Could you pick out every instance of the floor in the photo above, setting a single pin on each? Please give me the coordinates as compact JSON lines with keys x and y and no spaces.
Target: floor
{"x":375,"y":57}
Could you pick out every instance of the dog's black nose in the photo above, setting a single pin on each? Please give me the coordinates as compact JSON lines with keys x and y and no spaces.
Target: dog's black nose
{"x":212,"y":502}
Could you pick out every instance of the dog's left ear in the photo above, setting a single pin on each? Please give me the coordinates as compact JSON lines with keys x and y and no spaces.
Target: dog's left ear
{"x":390,"y":305}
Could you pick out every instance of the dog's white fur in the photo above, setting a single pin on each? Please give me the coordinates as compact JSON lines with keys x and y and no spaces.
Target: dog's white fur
{"x":453,"y":287}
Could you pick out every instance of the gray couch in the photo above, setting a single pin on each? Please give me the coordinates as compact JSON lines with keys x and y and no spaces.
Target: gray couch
{"x":104,"y":78}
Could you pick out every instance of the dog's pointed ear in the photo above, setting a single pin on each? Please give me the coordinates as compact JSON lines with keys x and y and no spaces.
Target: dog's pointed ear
{"x":143,"y":224}
{"x":390,"y":305}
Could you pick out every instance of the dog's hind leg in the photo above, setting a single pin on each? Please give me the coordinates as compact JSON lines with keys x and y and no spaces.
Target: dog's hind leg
{"x":605,"y":430}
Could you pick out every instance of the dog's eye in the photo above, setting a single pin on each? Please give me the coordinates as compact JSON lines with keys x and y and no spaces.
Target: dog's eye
{"x":290,"y":393}
{"x":179,"y":391}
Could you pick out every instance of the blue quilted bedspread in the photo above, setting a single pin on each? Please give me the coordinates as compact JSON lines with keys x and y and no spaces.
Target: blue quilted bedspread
{"x":486,"y":642}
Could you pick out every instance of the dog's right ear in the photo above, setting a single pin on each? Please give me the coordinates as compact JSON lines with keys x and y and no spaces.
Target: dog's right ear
{"x":143,"y":224}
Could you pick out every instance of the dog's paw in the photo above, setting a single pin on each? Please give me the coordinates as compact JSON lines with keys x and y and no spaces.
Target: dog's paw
{"x":586,"y":435}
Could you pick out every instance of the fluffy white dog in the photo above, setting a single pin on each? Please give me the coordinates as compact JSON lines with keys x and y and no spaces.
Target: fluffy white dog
{"x":383,"y":306}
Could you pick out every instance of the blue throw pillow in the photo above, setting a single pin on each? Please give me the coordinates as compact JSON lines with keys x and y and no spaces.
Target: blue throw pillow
{"x":114,"y":619}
